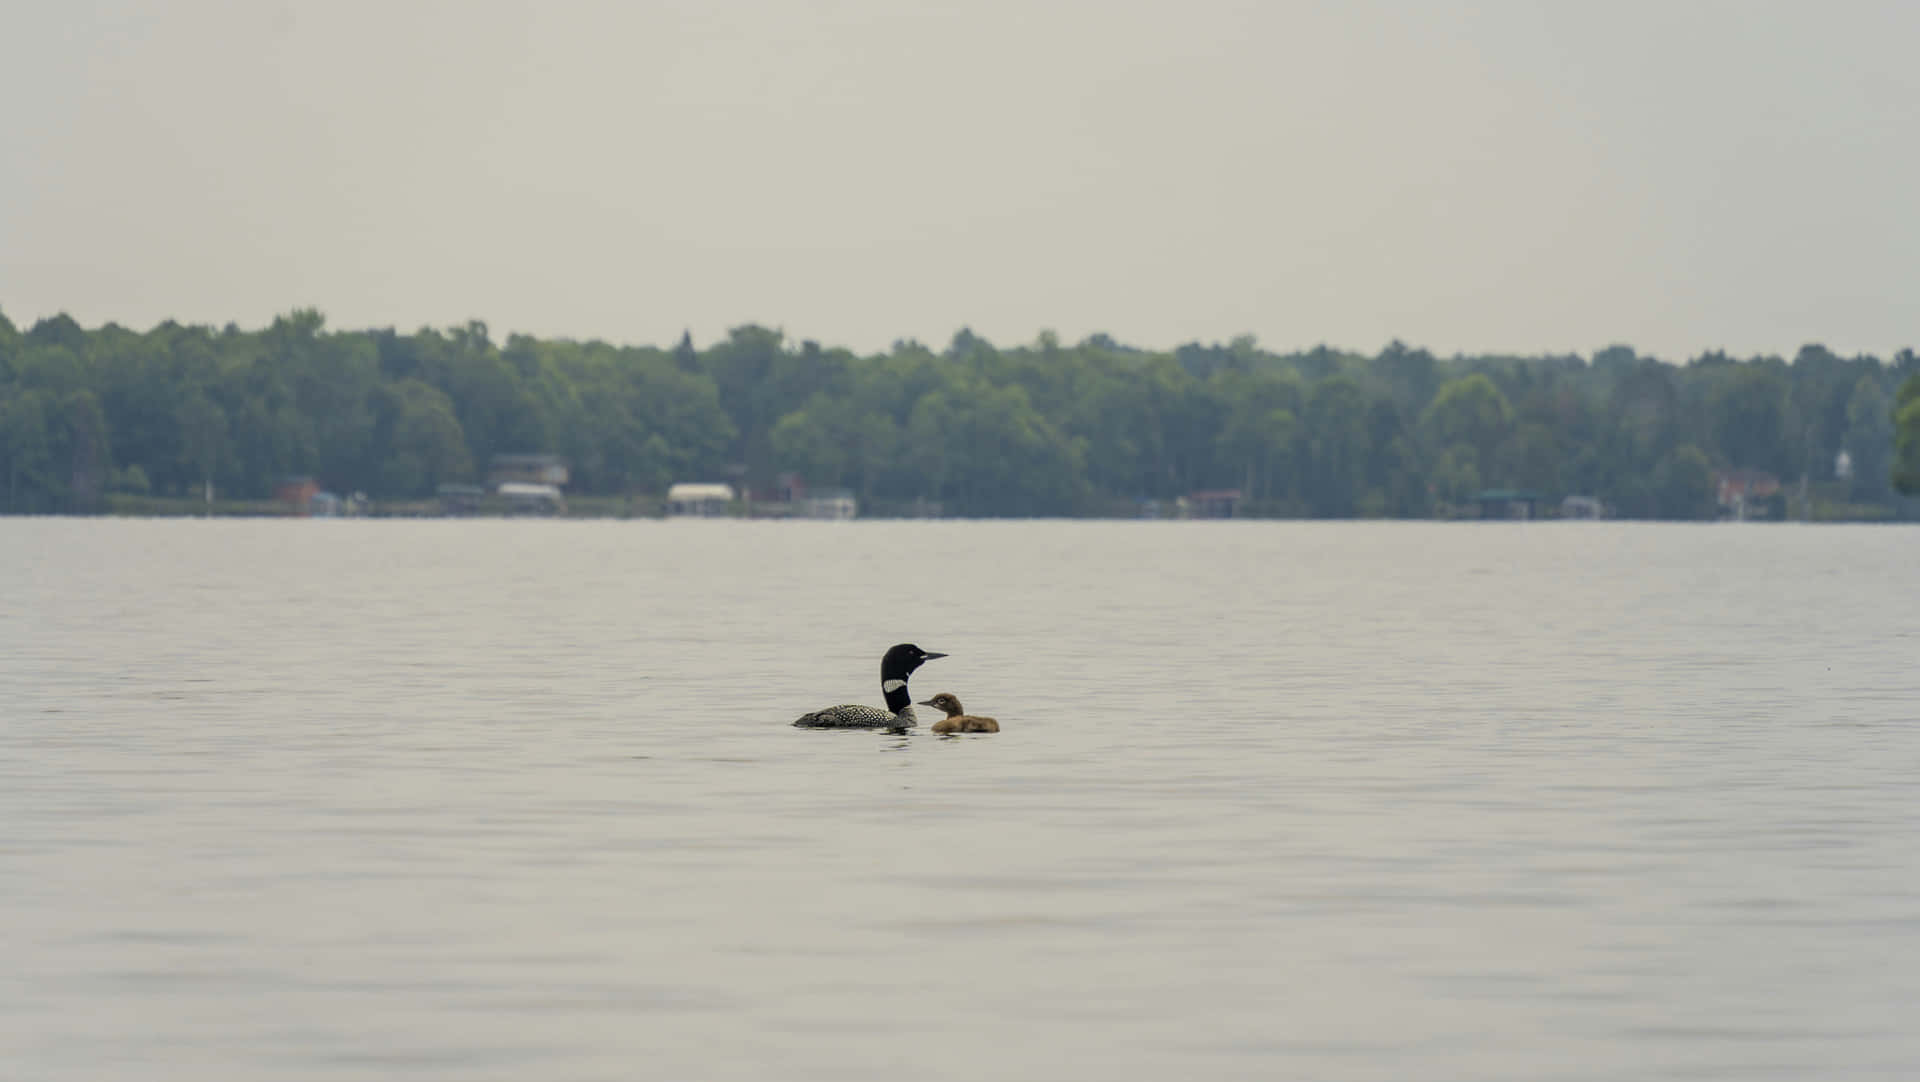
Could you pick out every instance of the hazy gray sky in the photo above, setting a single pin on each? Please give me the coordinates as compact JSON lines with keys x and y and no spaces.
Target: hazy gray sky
{"x":1676,"y":175}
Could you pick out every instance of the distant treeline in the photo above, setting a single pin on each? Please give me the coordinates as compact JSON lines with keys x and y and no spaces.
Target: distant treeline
{"x":984,"y":430}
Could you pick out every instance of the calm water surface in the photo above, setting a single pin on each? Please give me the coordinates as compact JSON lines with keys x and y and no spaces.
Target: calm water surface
{"x":520,"y":800}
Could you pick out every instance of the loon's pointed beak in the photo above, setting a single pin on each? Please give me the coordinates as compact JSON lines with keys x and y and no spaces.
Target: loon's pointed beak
{"x":930,"y":656}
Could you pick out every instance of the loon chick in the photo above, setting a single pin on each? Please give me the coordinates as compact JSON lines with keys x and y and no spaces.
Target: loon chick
{"x":957,"y":719}
{"x":895,"y":667}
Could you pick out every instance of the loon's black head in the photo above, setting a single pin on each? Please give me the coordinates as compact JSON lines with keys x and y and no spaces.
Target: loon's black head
{"x":900,"y":661}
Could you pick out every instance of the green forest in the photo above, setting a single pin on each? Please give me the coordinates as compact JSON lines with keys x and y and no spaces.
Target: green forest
{"x":103,"y":419}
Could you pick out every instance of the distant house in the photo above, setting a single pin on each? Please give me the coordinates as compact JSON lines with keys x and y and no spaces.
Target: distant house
{"x":1507,"y":503}
{"x":831,"y":504}
{"x":304,"y":496}
{"x":699,"y":500}
{"x":531,"y":498}
{"x":1743,"y":494}
{"x":297,"y":493}
{"x":922,"y":507}
{"x":786,"y":488}
{"x":784,"y":497}
{"x":1218,"y":503}
{"x":460,"y":499}
{"x":1582,"y":507}
{"x":528,"y":469}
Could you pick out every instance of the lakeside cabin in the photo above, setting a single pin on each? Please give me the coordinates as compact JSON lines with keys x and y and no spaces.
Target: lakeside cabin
{"x":830,"y":505}
{"x":1218,"y":503}
{"x":789,"y":497}
{"x":297,"y":494}
{"x":1582,"y":507}
{"x":1745,"y":494}
{"x":699,"y":500}
{"x":541,"y":469}
{"x":531,"y":498}
{"x":458,"y":499}
{"x":1508,"y":503}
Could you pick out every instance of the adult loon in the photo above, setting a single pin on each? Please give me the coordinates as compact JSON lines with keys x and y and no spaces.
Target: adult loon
{"x":895,"y":667}
{"x":957,"y":719}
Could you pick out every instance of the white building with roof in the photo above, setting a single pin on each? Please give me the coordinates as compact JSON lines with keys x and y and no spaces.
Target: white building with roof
{"x":699,"y":500}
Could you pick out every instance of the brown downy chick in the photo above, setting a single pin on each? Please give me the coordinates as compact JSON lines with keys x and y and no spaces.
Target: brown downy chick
{"x":957,"y":719}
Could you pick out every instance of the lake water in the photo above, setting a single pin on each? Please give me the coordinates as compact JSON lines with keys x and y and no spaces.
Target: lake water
{"x":521,"y":801}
